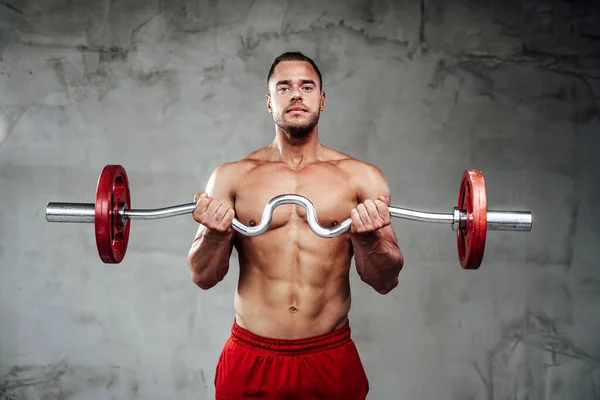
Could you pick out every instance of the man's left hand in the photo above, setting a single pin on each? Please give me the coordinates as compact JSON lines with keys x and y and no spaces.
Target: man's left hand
{"x":370,"y":216}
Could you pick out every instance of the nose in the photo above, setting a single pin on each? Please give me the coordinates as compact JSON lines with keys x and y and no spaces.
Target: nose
{"x":296,"y":94}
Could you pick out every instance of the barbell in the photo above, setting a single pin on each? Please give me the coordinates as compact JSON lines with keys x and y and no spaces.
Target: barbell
{"x":111,"y":212}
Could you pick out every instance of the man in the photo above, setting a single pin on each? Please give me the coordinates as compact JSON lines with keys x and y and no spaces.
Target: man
{"x":291,"y":336}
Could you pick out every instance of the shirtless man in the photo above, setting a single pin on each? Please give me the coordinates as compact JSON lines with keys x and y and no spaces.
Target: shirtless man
{"x":291,"y":337}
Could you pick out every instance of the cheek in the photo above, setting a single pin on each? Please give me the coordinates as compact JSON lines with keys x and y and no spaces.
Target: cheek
{"x":277,"y":105}
{"x":317,"y":101}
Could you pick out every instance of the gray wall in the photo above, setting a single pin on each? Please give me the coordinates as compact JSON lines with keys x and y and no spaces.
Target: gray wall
{"x":424,"y":90}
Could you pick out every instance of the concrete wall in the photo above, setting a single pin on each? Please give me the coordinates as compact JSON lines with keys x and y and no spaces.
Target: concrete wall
{"x":423,"y":89}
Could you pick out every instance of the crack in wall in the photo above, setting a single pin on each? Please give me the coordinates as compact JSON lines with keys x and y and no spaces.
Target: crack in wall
{"x":62,"y":380}
{"x":481,"y":65}
{"x":249,"y":44}
{"x":11,"y":7}
{"x":486,"y":383}
{"x":12,"y":126}
{"x":525,"y":343}
{"x":135,"y":30}
{"x":422,"y":43}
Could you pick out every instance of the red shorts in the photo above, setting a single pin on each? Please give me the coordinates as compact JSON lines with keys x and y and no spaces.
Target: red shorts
{"x":321,"y":367}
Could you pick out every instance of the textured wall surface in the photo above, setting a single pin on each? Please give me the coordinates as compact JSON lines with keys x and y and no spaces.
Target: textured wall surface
{"x":423,"y":89}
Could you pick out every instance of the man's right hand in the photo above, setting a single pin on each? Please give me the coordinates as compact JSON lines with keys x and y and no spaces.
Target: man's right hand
{"x":214,"y":214}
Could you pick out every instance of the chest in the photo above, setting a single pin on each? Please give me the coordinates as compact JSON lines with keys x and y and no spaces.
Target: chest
{"x":325,"y":186}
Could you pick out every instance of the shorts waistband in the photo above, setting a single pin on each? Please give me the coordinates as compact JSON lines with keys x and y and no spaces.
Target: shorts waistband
{"x":312,"y":344}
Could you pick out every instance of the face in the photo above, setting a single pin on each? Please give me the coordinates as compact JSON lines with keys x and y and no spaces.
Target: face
{"x":294,"y":98}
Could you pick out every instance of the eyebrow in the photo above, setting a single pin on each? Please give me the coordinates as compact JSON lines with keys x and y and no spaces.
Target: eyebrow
{"x":289,"y":82}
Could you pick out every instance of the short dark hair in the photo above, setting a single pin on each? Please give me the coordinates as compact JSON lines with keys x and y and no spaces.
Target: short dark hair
{"x":294,"y":56}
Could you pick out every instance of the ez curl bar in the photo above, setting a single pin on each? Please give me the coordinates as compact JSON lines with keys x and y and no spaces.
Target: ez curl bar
{"x":470,"y":219}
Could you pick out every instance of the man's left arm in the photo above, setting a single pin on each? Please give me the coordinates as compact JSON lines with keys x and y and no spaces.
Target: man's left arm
{"x":378,"y":257}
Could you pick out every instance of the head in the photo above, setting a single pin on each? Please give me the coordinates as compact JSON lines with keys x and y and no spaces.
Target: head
{"x":295,"y":97}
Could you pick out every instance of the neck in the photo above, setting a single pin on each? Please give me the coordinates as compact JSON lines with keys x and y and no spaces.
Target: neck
{"x":296,"y":151}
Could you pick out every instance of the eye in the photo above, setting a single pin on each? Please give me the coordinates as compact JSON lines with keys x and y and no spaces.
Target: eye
{"x":282,"y":89}
{"x":308,"y":88}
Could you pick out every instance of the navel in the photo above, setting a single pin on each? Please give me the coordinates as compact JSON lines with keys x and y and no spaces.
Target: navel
{"x":252,"y":222}
{"x":293,"y":309}
{"x":334,"y":223}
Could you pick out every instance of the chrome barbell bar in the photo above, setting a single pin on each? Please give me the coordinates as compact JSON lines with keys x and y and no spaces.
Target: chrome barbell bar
{"x":496,"y":220}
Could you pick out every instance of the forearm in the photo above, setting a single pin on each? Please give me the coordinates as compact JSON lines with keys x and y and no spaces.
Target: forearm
{"x":208,"y":258}
{"x":378,"y":260}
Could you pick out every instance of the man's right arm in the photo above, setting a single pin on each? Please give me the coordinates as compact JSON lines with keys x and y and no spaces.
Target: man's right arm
{"x":209,"y":255}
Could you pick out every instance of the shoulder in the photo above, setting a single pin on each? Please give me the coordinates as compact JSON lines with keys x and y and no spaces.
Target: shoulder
{"x":232,"y":169}
{"x":238,"y":168}
{"x":229,"y":170}
{"x":360,"y":169}
{"x":367,"y":179}
{"x":226,"y":177}
{"x":352,"y":165}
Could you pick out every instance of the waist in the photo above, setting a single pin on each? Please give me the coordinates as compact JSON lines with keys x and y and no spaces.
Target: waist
{"x":312,"y":344}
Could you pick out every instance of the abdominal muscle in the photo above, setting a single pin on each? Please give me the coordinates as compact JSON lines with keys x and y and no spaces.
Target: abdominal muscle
{"x":293,"y":284}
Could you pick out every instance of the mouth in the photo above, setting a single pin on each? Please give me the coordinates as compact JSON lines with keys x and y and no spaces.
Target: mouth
{"x":296,"y":109}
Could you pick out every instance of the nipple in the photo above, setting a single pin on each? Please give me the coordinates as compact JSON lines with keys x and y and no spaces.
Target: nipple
{"x":334,"y":223}
{"x":252,"y":223}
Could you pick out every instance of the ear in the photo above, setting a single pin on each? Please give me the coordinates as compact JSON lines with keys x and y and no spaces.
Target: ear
{"x":322,"y":100}
{"x":269,"y":106}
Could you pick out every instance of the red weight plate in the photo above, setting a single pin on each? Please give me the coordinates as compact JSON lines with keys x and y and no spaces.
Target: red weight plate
{"x":472,"y":201}
{"x":112,"y":192}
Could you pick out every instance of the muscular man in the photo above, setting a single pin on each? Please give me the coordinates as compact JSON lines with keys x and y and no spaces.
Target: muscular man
{"x":291,"y":337}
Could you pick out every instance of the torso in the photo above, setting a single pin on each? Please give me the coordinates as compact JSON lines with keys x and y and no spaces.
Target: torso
{"x":292,"y":282}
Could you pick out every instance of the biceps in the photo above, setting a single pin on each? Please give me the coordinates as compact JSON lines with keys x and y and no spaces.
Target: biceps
{"x":373,"y":187}
{"x":219,"y":186}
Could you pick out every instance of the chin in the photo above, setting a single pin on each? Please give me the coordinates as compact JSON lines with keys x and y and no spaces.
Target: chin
{"x":298,"y":129}
{"x":306,"y":123}
{"x":297,"y":125}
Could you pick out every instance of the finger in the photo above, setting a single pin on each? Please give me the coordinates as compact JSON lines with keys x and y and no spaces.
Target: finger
{"x":373,"y":212}
{"x":199,"y":213}
{"x":228,"y":217}
{"x":384,"y":199}
{"x":201,"y":205}
{"x":357,"y":224}
{"x":383,"y":211}
{"x":220,"y":213}
{"x":215,"y":210}
{"x":364,"y":215}
{"x":212,"y":208}
{"x":199,"y":196}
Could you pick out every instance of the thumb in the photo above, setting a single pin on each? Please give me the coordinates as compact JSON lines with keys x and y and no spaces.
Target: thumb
{"x":384,"y":199}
